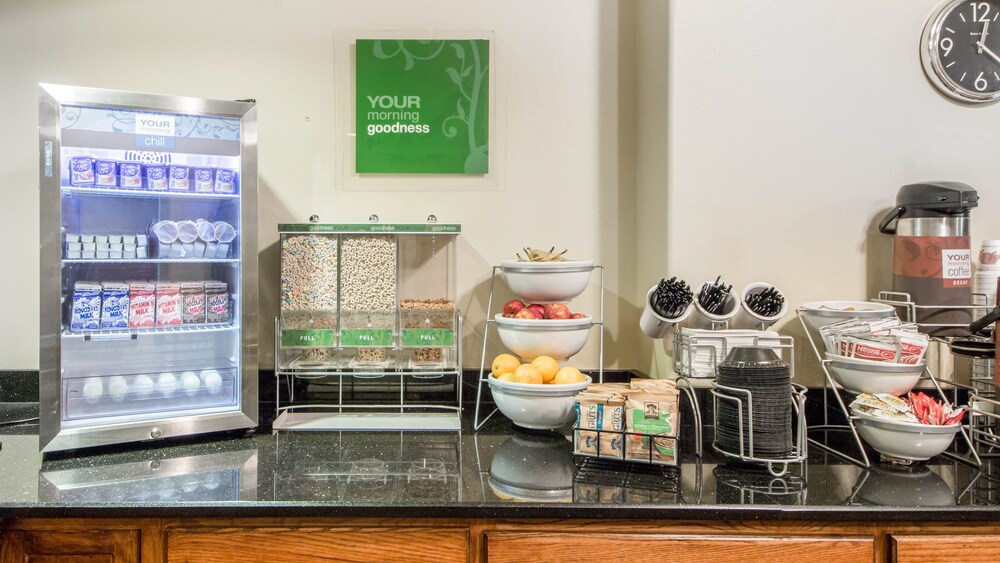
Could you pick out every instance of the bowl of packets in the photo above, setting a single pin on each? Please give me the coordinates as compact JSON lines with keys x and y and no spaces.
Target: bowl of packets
{"x":912,"y":428}
{"x":882,"y":355}
{"x":822,"y":313}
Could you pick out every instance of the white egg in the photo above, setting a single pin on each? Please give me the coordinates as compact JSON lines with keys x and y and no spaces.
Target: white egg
{"x":93,"y":388}
{"x":117,"y":387}
{"x":142,"y":385}
{"x":190,"y":382}
{"x":212,"y":380}
{"x":166,"y":383}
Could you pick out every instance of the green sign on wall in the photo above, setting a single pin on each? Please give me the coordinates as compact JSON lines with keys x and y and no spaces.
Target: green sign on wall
{"x":422,"y":106}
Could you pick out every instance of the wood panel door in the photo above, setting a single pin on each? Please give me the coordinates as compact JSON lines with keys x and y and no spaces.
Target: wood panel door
{"x":603,"y":547}
{"x":931,"y":548}
{"x":42,"y":546}
{"x":277,"y":545}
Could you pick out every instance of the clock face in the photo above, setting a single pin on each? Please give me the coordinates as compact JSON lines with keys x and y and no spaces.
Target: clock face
{"x":961,"y":50}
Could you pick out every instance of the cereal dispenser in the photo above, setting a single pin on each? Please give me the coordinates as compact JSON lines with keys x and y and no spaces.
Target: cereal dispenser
{"x":368,"y":335}
{"x":148,"y":266}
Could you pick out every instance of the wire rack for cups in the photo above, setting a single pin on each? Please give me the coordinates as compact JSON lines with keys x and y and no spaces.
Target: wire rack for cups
{"x":753,"y":444}
{"x":901,"y":301}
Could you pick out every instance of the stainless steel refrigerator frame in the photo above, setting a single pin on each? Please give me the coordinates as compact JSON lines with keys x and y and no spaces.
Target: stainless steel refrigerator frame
{"x":52,"y":435}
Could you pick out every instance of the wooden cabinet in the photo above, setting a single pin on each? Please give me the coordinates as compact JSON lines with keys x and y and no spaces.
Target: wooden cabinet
{"x":47,"y":546}
{"x":585,"y":548}
{"x":385,"y":544}
{"x":932,"y":548}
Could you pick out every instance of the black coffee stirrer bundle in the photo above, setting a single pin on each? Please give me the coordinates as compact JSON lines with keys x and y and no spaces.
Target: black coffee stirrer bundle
{"x":712,"y":296}
{"x":671,"y":298}
{"x":766,"y":303}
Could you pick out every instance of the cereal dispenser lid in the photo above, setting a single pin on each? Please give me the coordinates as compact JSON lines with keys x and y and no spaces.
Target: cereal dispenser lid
{"x":372,"y":228}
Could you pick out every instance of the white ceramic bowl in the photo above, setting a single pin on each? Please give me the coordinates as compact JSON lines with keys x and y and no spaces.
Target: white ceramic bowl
{"x":822,"y":313}
{"x":547,"y":282}
{"x":530,"y":338}
{"x":541,"y":406}
{"x":905,"y":440}
{"x":867,"y":376}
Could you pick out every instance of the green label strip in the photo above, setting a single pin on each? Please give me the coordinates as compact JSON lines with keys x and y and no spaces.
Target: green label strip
{"x":375,"y":337}
{"x":428,"y":337}
{"x":309,"y":338}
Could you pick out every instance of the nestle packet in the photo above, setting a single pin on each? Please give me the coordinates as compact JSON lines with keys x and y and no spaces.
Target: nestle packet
{"x":114,"y":305}
{"x":872,"y":350}
{"x":86,"y":306}
{"x":168,"y":304}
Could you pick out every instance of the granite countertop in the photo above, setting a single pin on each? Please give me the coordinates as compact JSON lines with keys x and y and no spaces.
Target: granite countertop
{"x":500,"y":472}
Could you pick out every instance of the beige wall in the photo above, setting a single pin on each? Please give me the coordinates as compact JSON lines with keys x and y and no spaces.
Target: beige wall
{"x":557,"y":71}
{"x":755,"y":139}
{"x":788,"y":128}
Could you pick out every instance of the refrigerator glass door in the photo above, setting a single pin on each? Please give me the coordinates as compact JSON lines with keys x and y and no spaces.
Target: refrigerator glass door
{"x":148,"y":266}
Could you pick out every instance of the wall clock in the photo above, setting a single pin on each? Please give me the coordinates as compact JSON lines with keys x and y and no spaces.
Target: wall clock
{"x":960,"y":50}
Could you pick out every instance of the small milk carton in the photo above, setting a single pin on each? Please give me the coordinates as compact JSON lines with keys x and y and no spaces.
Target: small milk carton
{"x":216,"y":302}
{"x":168,"y":304}
{"x":86,"y":306}
{"x":114,"y":305}
{"x":193,"y":302}
{"x":142,"y":304}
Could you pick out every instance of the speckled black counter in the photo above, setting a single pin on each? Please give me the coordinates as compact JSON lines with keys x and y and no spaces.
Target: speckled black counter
{"x":499,"y":472}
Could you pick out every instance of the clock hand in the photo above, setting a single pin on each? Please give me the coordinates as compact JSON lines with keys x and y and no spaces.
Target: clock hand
{"x":989,"y":51}
{"x":982,"y":36}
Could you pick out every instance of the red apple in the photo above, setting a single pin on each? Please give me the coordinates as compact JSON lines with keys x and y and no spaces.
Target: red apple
{"x":511,"y":307}
{"x":527,"y":313}
{"x":540,"y":309}
{"x":578,"y":316}
{"x":557,"y":311}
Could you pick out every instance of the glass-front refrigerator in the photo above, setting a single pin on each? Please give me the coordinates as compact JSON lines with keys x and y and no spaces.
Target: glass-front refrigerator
{"x":148,"y":266}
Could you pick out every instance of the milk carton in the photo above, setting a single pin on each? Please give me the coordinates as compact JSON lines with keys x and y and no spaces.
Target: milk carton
{"x":114,"y":305}
{"x":168,"y":304}
{"x":216,"y":302}
{"x":86,"y":306}
{"x":142,"y":304}
{"x":193,"y":302}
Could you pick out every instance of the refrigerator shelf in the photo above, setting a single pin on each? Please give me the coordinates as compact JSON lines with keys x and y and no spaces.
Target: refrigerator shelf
{"x":134,"y":333}
{"x":151,"y":261}
{"x":143,"y":194}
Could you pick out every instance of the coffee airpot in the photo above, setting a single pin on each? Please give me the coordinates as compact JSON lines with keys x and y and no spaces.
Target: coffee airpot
{"x":931,"y":253}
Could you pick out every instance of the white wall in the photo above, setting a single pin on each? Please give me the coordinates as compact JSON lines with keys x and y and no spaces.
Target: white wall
{"x":758,"y":139}
{"x":789,"y":127}
{"x":557,"y":77}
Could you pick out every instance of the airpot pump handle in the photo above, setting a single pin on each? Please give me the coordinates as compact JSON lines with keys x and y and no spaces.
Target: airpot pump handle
{"x":896,"y":213}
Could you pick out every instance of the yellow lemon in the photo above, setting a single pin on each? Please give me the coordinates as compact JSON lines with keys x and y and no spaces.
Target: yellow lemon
{"x":547,"y":367}
{"x":568,"y":374}
{"x":527,"y":373}
{"x":504,"y":363}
